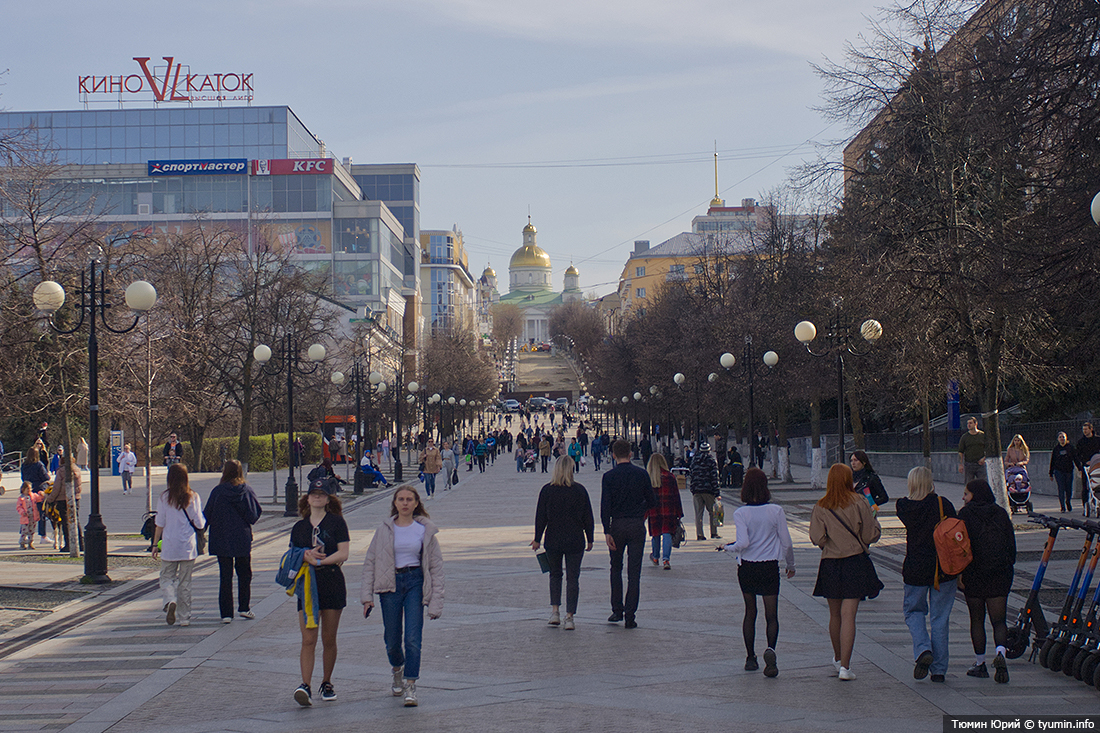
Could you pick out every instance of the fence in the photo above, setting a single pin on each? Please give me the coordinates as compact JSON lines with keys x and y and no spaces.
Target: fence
{"x":1038,"y":436}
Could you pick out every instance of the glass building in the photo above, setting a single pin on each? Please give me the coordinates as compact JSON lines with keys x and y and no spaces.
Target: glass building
{"x":255,"y":169}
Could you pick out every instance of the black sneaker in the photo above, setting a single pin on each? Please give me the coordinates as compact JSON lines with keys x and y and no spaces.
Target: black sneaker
{"x":614,"y":618}
{"x":303,"y":696}
{"x":920,"y":668}
{"x":939,"y":678}
{"x":978,"y":670}
{"x":751,"y":665}
{"x":328,"y":694}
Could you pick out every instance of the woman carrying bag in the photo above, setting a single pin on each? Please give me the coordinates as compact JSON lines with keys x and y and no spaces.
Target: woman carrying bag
{"x":564,"y":514}
{"x":230,"y":512}
{"x":179,"y":519}
{"x":663,"y":519}
{"x":843,"y":526}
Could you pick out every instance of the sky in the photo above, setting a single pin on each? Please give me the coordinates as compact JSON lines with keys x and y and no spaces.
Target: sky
{"x":598,"y":118}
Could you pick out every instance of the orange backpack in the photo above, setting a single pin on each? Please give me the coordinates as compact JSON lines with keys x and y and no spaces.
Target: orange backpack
{"x":952,"y":545}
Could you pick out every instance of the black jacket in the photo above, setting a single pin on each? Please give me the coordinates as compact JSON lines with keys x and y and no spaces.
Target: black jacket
{"x":992,"y":542}
{"x":1085,"y":449}
{"x":230,"y":513}
{"x":920,"y":518}
{"x":1062,"y":458}
{"x":627,"y":494}
{"x":564,"y":513}
{"x":704,"y":474}
{"x":866,"y":478}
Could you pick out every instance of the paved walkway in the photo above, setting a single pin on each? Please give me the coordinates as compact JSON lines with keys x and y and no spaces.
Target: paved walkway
{"x":491,"y":663}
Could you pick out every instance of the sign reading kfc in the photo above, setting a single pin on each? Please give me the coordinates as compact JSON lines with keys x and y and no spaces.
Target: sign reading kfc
{"x":291,"y":166}
{"x":172,"y":82}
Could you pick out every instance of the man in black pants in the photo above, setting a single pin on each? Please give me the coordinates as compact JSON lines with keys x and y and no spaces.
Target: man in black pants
{"x":627,"y":496}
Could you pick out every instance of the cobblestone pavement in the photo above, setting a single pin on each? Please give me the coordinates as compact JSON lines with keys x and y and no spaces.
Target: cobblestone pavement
{"x":107,"y":661}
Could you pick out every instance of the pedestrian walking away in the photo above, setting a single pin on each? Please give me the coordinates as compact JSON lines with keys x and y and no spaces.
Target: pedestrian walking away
{"x":763,"y":539}
{"x":664,"y":519}
{"x":929,"y":592}
{"x":179,"y":519}
{"x":564,"y":515}
{"x":322,"y":539}
{"x":230,"y":512}
{"x":626,"y":498}
{"x":987,"y":580}
{"x":843,"y":526}
{"x":404,"y":566}
{"x":704,"y":490}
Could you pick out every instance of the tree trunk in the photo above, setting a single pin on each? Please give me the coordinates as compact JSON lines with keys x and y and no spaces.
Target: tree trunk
{"x":853,"y":412}
{"x":69,"y":487}
{"x":926,"y":428}
{"x":244,"y":444}
{"x":197,"y":436}
{"x":784,"y":451}
{"x":817,"y":457}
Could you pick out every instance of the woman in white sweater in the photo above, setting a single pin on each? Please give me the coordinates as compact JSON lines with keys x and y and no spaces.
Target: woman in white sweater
{"x":404,"y":566}
{"x":762,"y":541}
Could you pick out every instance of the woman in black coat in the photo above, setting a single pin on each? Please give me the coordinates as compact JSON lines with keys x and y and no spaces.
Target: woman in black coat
{"x":987,"y":580}
{"x":866,"y":481}
{"x":230,"y":512}
{"x":564,"y":513}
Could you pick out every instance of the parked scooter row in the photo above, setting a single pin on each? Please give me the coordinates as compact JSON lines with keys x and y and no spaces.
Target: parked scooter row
{"x":1071,"y":644}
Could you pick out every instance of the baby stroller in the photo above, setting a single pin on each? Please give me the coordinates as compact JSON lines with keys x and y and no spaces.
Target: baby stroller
{"x":1092,"y":499}
{"x":1019,"y":490}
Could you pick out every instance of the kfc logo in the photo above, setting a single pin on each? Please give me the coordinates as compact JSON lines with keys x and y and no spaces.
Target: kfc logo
{"x":292,"y":166}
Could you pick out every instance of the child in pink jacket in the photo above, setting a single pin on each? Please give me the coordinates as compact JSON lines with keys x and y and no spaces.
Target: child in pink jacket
{"x":28,"y":514}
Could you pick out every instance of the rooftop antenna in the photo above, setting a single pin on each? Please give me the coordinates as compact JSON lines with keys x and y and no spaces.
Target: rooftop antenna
{"x":716,"y":201}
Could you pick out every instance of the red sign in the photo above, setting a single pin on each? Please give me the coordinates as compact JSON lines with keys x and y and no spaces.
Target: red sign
{"x":171,"y":83}
{"x":291,"y":166}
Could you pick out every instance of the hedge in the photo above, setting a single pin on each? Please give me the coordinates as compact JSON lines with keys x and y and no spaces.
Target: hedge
{"x":261,"y":451}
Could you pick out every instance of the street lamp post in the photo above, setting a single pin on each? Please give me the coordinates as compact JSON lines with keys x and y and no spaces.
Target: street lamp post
{"x":291,"y":363}
{"x":750,"y":368}
{"x":48,"y":297}
{"x":413,"y":387}
{"x":356,"y":385}
{"x":838,"y":339}
{"x":679,"y":380}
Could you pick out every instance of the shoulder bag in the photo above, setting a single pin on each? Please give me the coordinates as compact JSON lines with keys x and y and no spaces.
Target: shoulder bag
{"x":200,"y":535}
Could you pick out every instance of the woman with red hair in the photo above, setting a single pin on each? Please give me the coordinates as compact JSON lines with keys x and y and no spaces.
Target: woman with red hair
{"x":843,"y":526}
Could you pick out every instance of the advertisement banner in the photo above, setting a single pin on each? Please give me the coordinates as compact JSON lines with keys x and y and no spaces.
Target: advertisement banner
{"x":197,"y":167}
{"x":292,"y":166}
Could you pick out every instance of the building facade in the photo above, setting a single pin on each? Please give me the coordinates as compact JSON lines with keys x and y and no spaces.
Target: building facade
{"x":448,"y":290}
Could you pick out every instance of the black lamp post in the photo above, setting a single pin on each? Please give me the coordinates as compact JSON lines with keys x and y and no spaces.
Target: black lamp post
{"x":290,"y":363}
{"x":48,"y":297}
{"x":356,"y":385}
{"x":837,"y":340}
{"x":413,"y":387}
{"x":749,"y":368}
{"x":679,"y":380}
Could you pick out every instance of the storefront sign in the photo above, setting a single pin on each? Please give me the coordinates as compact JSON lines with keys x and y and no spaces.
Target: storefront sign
{"x":197,"y":167}
{"x":171,"y":83}
{"x":291,"y":166}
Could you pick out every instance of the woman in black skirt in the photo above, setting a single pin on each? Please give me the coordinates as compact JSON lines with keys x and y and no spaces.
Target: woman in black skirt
{"x":762,"y":541}
{"x":324,"y":531}
{"x":843,"y":526}
{"x":987,"y":580}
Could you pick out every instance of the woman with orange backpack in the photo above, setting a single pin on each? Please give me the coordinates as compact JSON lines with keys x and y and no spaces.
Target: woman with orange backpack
{"x":929,"y":592}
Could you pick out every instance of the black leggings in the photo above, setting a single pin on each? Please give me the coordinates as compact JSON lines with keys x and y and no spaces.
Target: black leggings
{"x":998,"y":610}
{"x":225,"y":587}
{"x":771,"y":621}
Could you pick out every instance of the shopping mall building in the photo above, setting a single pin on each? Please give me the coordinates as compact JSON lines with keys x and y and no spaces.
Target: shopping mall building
{"x":257,"y":170}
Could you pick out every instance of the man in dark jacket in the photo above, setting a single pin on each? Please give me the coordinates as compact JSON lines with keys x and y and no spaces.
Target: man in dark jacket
{"x":704,"y":490}
{"x":1087,"y":447}
{"x":627,"y":496}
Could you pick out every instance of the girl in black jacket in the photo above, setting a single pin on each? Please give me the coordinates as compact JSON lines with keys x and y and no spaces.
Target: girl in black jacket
{"x":988,"y":578}
{"x":1062,"y":460}
{"x":867,"y":481}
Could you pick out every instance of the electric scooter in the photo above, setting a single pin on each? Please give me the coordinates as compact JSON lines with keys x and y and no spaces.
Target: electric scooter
{"x":1031,"y":614}
{"x":1062,"y":632}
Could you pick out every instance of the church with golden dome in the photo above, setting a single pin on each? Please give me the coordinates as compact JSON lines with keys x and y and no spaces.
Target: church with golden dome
{"x":530,"y":288}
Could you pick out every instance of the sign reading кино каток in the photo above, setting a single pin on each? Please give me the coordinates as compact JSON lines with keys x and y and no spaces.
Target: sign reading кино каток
{"x":172,"y":82}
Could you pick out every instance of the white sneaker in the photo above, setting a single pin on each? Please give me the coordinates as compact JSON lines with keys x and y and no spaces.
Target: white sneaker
{"x":836,"y":665}
{"x":398,"y":686}
{"x":410,"y":693}
{"x":185,"y":622}
{"x":555,"y":619}
{"x":569,"y":625}
{"x":227,"y":619}
{"x":846,"y":674}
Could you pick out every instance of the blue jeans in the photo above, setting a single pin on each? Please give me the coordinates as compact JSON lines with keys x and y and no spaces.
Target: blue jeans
{"x":662,"y":546}
{"x":429,"y":483}
{"x":406,"y":601}
{"x":924,"y":600}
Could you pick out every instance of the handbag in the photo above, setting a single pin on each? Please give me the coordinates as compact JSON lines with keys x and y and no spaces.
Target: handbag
{"x":680,"y":535}
{"x":865,"y":560}
{"x":200,"y":537}
{"x":454,"y":476}
{"x":544,"y":563}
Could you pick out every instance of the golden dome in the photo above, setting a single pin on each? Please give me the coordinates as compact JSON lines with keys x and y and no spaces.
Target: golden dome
{"x":530,"y":255}
{"x":489,"y":271}
{"x":572,"y":270}
{"x":529,"y":229}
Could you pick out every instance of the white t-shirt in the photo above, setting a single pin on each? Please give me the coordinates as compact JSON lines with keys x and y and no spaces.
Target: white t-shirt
{"x":407,"y":544}
{"x":178,"y":537}
{"x":762,"y":534}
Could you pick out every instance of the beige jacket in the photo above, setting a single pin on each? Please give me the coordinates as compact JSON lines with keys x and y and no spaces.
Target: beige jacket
{"x":835,"y":541}
{"x":378,"y":567}
{"x":433,"y":461}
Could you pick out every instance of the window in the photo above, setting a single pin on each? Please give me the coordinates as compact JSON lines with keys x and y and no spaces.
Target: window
{"x":640,"y":292}
{"x":639,"y":272}
{"x":676,"y":269}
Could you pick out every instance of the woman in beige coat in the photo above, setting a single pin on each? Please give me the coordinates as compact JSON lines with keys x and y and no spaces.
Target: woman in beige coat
{"x":404,"y":566}
{"x":843,"y":526}
{"x":433,"y":464}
